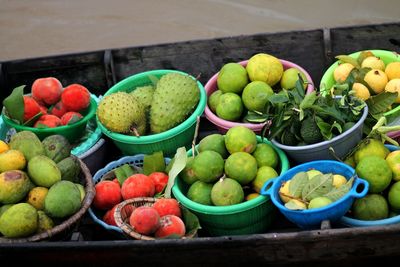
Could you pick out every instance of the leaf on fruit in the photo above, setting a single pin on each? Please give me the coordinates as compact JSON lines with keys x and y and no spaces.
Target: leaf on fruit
{"x":179,"y":164}
{"x":153,"y":163}
{"x":337,"y":193}
{"x":348,"y":59}
{"x":123,"y":172}
{"x":32,"y":120}
{"x":381,"y":102}
{"x":318,"y":186}
{"x":154,"y":80}
{"x":293,"y":205}
{"x":255,"y":117}
{"x":297,"y":184}
{"x":14,"y":104}
{"x":308,"y":100}
{"x":191,"y":221}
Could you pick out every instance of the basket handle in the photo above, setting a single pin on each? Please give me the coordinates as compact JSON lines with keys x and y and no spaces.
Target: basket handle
{"x":359,"y":182}
{"x":267,"y":187}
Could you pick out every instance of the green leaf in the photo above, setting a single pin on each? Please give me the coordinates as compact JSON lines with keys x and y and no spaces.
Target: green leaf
{"x":363,"y":55}
{"x":381,"y":102}
{"x":14,"y":104}
{"x":154,"y":163}
{"x":325,"y":128}
{"x":293,"y":205}
{"x":255,"y":118}
{"x":318,"y":186}
{"x":154,"y":80}
{"x":191,"y":221}
{"x":337,"y":193}
{"x":348,"y":59}
{"x":178,"y":165}
{"x":308,"y":100}
{"x":297,"y":184}
{"x":278,"y":98}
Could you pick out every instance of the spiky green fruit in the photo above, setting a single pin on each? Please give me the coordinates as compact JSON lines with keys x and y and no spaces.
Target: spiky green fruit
{"x":144,"y":94}
{"x":174,"y":99}
{"x":120,"y":112}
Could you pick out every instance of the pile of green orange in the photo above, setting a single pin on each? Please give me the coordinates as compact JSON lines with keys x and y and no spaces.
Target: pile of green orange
{"x":378,"y":165}
{"x":229,"y":169}
{"x":247,"y":88}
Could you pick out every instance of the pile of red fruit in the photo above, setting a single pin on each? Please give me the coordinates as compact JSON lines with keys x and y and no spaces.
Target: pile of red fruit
{"x":161,"y":219}
{"x":58,"y":106}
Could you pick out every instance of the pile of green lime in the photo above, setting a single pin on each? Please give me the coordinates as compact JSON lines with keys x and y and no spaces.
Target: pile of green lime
{"x":229,"y":169}
{"x":378,"y":165}
{"x":242,"y":89}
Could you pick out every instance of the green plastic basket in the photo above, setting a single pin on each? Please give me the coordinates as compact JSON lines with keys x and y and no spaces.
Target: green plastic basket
{"x":250,"y":217}
{"x":72,"y":132}
{"x":168,"y":141}
{"x":327,"y":80}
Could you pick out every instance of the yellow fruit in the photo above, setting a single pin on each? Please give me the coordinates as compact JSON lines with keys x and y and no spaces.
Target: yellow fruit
{"x":252,"y":196}
{"x":341,"y":73}
{"x":37,"y":196}
{"x":3,"y":146}
{"x":312,"y":173}
{"x":393,"y":159}
{"x":377,"y":80}
{"x":284,"y":192}
{"x":361,"y":91}
{"x":12,"y":160}
{"x":373,"y":63}
{"x":300,"y":205}
{"x":394,"y":87}
{"x":393,"y":70}
{"x":264,"y":67}
{"x":338,"y":180}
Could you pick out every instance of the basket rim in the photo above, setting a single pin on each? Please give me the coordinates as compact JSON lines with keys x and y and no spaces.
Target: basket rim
{"x":129,"y":230}
{"x":231,"y":209}
{"x":91,"y":111}
{"x":151,"y":138}
{"x":86,"y":202}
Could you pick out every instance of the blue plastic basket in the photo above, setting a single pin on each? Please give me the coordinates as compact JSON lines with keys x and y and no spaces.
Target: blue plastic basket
{"x":312,"y":218}
{"x":348,"y":221}
{"x":136,"y":160}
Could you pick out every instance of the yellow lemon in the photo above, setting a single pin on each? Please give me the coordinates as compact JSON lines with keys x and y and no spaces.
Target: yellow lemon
{"x":338,"y":180}
{"x":265,"y":68}
{"x":392,"y":70}
{"x":341,"y":73}
{"x":361,"y":91}
{"x":373,"y":63}
{"x":252,"y":196}
{"x":394,"y":87}
{"x":3,"y":146}
{"x":12,"y":159}
{"x":376,"y":79}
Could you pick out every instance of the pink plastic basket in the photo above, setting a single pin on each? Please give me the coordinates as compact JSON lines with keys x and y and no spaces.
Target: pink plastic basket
{"x":223,"y":125}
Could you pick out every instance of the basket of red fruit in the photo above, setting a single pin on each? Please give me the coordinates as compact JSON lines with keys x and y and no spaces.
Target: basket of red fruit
{"x":132,"y":199}
{"x":49,"y":109}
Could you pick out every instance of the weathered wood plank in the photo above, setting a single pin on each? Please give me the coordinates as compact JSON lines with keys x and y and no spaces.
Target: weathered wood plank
{"x":208,"y":56}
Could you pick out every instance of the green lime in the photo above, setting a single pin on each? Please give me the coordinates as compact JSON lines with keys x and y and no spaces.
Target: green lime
{"x":255,"y":95}
{"x":319,"y":202}
{"x":376,"y":171}
{"x":241,"y":166}
{"x":264,"y":174}
{"x":290,"y":77}
{"x":200,"y":192}
{"x":266,"y":155}
{"x":213,"y":100}
{"x":230,"y":107}
{"x":226,"y":192}
{"x":232,"y":78}
{"x":240,"y":138}
{"x":371,"y":207}
{"x":394,"y":197}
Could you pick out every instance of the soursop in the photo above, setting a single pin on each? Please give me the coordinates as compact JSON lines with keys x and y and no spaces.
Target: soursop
{"x":175,"y":97}
{"x":144,"y":94}
{"x":120,"y":112}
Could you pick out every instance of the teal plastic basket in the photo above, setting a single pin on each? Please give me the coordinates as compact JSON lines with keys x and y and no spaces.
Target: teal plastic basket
{"x":249,"y":217}
{"x":168,"y":141}
{"x":86,"y":142}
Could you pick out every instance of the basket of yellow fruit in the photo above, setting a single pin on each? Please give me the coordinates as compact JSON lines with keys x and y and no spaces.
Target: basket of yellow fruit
{"x":313,"y":192}
{"x":49,"y":192}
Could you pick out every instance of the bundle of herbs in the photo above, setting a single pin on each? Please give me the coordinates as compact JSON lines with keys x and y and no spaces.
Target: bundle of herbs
{"x":298,"y":119}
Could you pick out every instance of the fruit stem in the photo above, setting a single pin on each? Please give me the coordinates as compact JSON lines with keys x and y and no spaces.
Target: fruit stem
{"x":135,"y":131}
{"x":196,"y":132}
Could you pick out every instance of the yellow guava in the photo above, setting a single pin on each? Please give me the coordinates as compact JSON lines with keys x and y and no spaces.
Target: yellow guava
{"x":376,"y":79}
{"x":373,"y":63}
{"x":392,"y":70}
{"x":394,"y":87}
{"x":342,"y":71}
{"x":361,"y":91}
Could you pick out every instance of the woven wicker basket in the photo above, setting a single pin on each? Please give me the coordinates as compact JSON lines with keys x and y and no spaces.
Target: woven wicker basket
{"x":70,"y":222}
{"x":123,"y":211}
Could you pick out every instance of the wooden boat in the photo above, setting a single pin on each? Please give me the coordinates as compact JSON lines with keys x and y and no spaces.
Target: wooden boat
{"x":284,"y":244}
